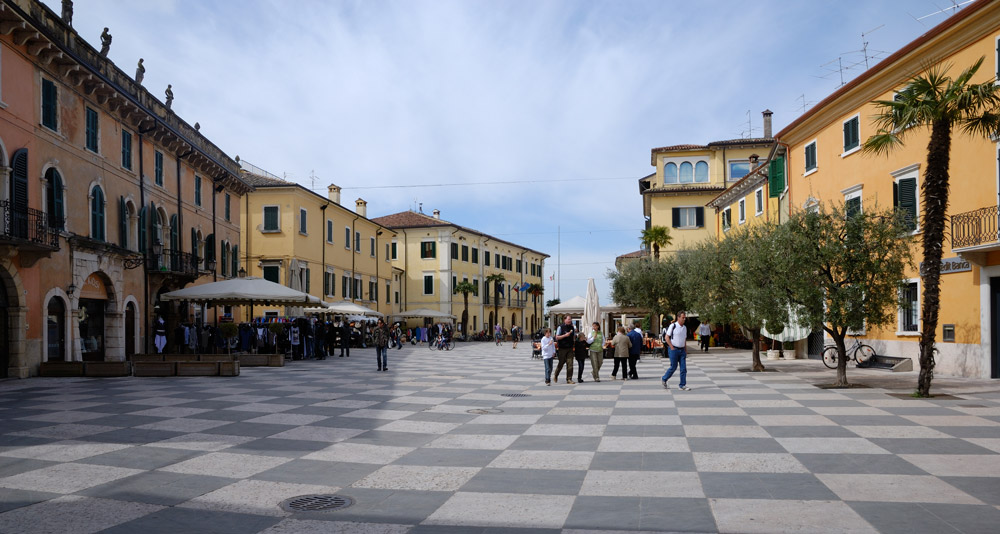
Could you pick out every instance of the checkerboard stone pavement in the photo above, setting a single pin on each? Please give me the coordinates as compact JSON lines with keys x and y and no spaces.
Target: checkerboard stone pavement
{"x":740,"y":452}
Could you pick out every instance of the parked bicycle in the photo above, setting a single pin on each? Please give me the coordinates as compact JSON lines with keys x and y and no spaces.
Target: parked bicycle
{"x":861,"y":353}
{"x":442,"y":343}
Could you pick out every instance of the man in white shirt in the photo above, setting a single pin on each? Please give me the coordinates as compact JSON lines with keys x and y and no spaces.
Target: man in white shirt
{"x":704,"y":334}
{"x":676,"y":341}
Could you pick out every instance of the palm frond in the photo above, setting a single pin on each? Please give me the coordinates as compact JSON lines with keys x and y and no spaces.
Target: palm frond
{"x":881,"y":144}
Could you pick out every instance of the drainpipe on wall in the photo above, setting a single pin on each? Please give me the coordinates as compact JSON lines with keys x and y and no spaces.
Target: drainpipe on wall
{"x":147,"y":345}
{"x":322,"y":240}
{"x":354,"y":254}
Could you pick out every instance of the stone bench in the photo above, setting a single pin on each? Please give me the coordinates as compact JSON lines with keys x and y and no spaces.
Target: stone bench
{"x":91,"y":369}
{"x":147,"y":365}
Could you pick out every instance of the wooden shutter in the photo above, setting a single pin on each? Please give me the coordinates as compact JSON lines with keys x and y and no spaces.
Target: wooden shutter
{"x":454,"y":251}
{"x":907,"y":201}
{"x":433,"y":249}
{"x":675,"y":217}
{"x":142,"y":230}
{"x":19,"y":181}
{"x":776,"y":176}
{"x":699,"y":217}
{"x":50,"y":105}
{"x":236,"y":263}
{"x":122,"y":223}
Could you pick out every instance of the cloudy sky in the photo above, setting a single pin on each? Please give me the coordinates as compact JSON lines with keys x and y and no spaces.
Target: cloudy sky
{"x":529,"y":120}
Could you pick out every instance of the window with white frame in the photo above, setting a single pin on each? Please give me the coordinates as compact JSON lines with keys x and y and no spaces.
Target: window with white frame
{"x":738,"y":169}
{"x":329,"y":282}
{"x":303,"y":221}
{"x":690,"y":217}
{"x":906,"y":195}
{"x":852,"y":135}
{"x":357,"y":242}
{"x":387,"y":252}
{"x":810,"y":157}
{"x":357,"y":287}
{"x":759,"y":201}
{"x":684,"y":171}
{"x":852,"y":200}
{"x":743,"y":210}
{"x":394,"y":249}
{"x":329,"y":231}
{"x":727,"y":219}
{"x":371,"y":243}
{"x":347,"y":237}
{"x":271,"y":219}
{"x":909,"y":307}
{"x":428,"y":284}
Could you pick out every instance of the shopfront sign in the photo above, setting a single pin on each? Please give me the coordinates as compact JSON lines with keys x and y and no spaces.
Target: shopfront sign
{"x":93,"y":288}
{"x":951,"y":265}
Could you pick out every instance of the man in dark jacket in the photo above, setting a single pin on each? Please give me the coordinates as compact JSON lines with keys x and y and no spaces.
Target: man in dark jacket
{"x":345,"y":338}
{"x":635,"y":336}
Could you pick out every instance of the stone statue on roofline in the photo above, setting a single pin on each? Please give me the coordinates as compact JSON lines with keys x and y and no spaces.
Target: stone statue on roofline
{"x":67,"y":11}
{"x":170,"y":96}
{"x":140,"y":72}
{"x":105,"y":42}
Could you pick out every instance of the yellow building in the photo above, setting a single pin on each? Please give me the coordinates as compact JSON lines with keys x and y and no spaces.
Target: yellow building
{"x":758,"y":197}
{"x":110,"y":199}
{"x":825,"y":164}
{"x":688,"y":177}
{"x":300,"y":239}
{"x":435,"y":255}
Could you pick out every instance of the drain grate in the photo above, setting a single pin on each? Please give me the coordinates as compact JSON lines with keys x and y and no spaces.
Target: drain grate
{"x":316,"y":503}
{"x":514,"y":395}
{"x":484,"y":411}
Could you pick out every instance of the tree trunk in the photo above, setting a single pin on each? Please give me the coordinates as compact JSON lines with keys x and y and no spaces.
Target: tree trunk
{"x":496,"y":303}
{"x":465,"y":315}
{"x":656,"y":251}
{"x":757,"y":365}
{"x":838,"y":339}
{"x":935,"y":199}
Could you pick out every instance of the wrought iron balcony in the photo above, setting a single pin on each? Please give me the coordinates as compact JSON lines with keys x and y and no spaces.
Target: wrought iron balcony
{"x":27,"y":228}
{"x":975,"y":228}
{"x":174,"y":262}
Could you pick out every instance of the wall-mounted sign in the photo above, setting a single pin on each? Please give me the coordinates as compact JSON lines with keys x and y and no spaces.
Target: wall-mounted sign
{"x":951,"y":265}
{"x":93,"y":288}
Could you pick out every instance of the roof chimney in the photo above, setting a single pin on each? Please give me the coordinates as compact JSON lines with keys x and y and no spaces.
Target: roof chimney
{"x":767,"y":123}
{"x":361,"y":207}
{"x":333,"y":193}
{"x":437,"y":214}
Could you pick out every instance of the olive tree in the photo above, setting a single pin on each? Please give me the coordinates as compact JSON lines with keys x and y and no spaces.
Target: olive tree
{"x":649,"y":284}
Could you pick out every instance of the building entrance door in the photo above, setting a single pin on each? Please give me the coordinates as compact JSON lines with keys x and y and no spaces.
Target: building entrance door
{"x":994,"y":327}
{"x":5,"y":347}
{"x":129,"y":330}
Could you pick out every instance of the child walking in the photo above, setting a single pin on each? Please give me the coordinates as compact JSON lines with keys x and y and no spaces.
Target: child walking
{"x":548,"y":351}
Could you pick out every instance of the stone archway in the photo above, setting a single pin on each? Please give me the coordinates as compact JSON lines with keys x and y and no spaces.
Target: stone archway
{"x":13,"y":322}
{"x":97,"y":320}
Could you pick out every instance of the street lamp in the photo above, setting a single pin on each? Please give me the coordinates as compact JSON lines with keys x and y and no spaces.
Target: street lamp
{"x":210,"y":263}
{"x":157,"y":248}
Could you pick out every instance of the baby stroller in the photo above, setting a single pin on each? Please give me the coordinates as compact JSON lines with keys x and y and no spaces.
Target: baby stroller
{"x":536,"y":350}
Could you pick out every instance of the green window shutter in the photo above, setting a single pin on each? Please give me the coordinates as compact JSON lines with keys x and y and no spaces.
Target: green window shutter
{"x":907,"y":201}
{"x":91,"y":130}
{"x":776,"y":176}
{"x":228,"y":210}
{"x":699,"y":216}
{"x":433,"y":249}
{"x":142,"y":230}
{"x":675,"y":217}
{"x":454,"y":285}
{"x":236,"y":261}
{"x":122,"y":223}
{"x":454,"y":251}
{"x":271,"y":273}
{"x":50,"y":105}
{"x":394,"y":250}
{"x":308,"y":276}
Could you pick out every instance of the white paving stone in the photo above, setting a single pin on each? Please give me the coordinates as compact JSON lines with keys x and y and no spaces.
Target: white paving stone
{"x":229,"y":465}
{"x":413,"y":477}
{"x":66,"y":478}
{"x":259,"y":497}
{"x":504,"y":510}
{"x":73,"y":514}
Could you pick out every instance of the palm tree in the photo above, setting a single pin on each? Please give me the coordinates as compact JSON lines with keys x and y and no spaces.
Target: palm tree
{"x":465,"y":287}
{"x":938,"y":102}
{"x":535,"y":290}
{"x":496,"y":279}
{"x":655,"y":237}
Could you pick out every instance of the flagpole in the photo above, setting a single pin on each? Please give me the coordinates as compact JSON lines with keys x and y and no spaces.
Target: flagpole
{"x":558,"y":260}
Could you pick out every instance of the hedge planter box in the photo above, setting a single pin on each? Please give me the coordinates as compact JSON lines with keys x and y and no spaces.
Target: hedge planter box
{"x":180,"y":357}
{"x":61,"y":369}
{"x":229,"y":368}
{"x":217,"y":358}
{"x":147,"y":357}
{"x":107,"y":369}
{"x":276,"y":360}
{"x":153,"y":369}
{"x":253,"y":360}
{"x":197,"y":368}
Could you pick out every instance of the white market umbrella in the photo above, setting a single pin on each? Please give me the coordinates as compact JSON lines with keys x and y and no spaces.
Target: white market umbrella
{"x":424,"y":313}
{"x":792,"y":331}
{"x":349,"y":308}
{"x":591,"y":307}
{"x":243,"y":291}
{"x":573,"y":306}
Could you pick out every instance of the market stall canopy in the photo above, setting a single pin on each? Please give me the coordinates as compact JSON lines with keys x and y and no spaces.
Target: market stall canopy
{"x":424,"y":313}
{"x":792,"y":331}
{"x":573,"y":306}
{"x":241,"y":291}
{"x":344,"y":307}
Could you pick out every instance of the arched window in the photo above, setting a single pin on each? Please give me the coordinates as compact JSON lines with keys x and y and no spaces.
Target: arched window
{"x":54,"y":199}
{"x":687,"y":173}
{"x":670,"y":173}
{"x":56,"y":330}
{"x":97,"y":213}
{"x":701,"y":172}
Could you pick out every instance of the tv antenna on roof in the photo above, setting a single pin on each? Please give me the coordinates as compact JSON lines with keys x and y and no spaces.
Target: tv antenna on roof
{"x":955,"y":6}
{"x":748,"y":133}
{"x":312,"y":179}
{"x":847,"y":62}
{"x":805,"y":104}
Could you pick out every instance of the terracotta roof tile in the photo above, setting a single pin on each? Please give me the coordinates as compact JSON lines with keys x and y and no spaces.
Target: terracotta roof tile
{"x":410,"y":219}
{"x":257,"y":180}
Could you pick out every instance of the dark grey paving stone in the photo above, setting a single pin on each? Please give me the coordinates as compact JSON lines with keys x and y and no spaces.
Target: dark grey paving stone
{"x":287,"y":448}
{"x":143,"y":457}
{"x":556,"y":443}
{"x":361,"y":423}
{"x":132,"y":436}
{"x":11,"y":499}
{"x":449,"y":457}
{"x":124,"y":407}
{"x":531,"y":481}
{"x":680,"y":401}
{"x":648,"y":431}
{"x":587,"y":404}
{"x":930,"y":446}
{"x":921,"y":410}
{"x":906,"y":518}
{"x":970,"y":431}
{"x":435,"y":417}
{"x":804,"y":486}
{"x":319,"y":410}
{"x":340,"y":474}
{"x":717,"y":420}
{"x":18,"y":425}
{"x":867,"y":464}
{"x":448,"y":529}
{"x":779,"y":410}
{"x":396,"y":439}
{"x":506,"y":430}
{"x":234,"y":416}
{"x":244,"y":428}
{"x":574,"y":420}
{"x":386,"y":506}
{"x":174,"y":520}
{"x":734,"y":445}
{"x":869,"y":420}
{"x":643,"y":461}
{"x":819,"y":431}
{"x":123,"y":420}
{"x":986,"y":489}
{"x":158,"y":487}
{"x":641,"y":513}
{"x":831,"y":403}
{"x":215,"y":405}
{"x":651,"y":412}
{"x":15,"y":466}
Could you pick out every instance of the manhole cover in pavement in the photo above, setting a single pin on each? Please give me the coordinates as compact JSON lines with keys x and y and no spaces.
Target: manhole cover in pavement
{"x":316,"y":503}
{"x":484,"y":411}
{"x":514,"y":395}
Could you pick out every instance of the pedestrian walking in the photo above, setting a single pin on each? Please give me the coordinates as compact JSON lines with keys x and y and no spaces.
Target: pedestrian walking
{"x":595,"y":340}
{"x":635,"y":336}
{"x":515,"y":335}
{"x":548,"y":351}
{"x":345,"y":338}
{"x":621,"y":343}
{"x":380,"y":338}
{"x":581,"y":350}
{"x":704,"y":335}
{"x":565,"y":339}
{"x":676,"y":340}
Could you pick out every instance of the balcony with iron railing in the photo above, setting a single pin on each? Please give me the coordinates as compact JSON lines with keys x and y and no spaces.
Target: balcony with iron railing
{"x":27,"y":229}
{"x":974,"y":233}
{"x":510,"y":302}
{"x":174,"y":262}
